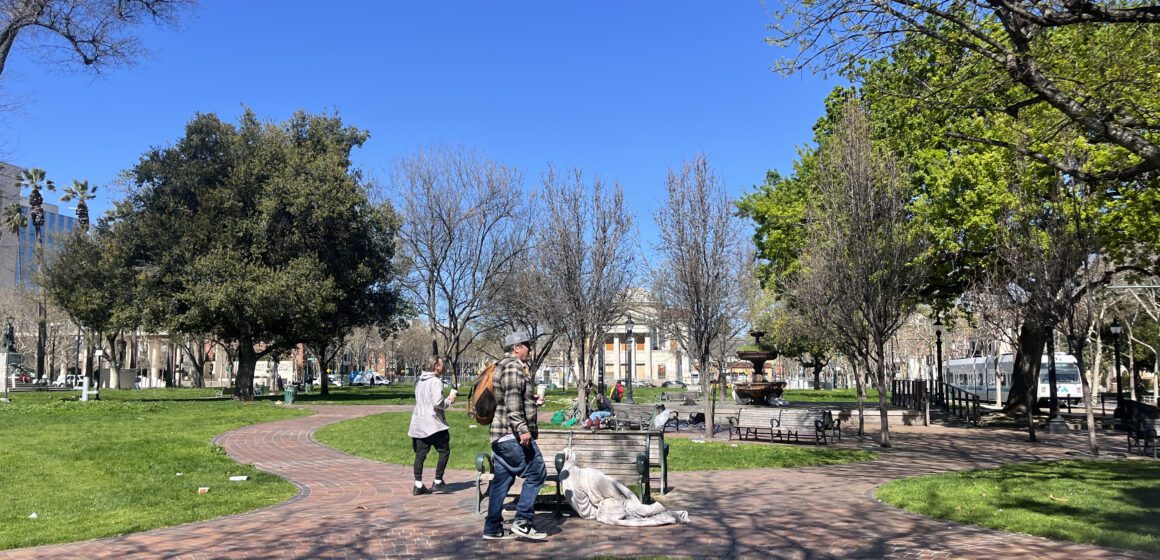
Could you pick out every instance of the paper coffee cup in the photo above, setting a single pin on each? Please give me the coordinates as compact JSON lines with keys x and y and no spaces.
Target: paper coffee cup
{"x":541,"y":390}
{"x":454,"y":392}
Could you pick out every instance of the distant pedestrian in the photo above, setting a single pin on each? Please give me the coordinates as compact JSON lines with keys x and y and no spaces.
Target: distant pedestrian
{"x":618,"y":391}
{"x":429,"y":424}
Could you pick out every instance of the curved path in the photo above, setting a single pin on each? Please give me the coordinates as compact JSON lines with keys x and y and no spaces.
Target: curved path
{"x":355,"y":508}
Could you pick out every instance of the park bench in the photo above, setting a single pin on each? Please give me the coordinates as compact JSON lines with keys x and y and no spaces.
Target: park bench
{"x":19,"y":387}
{"x":1142,"y":435}
{"x":785,"y":424}
{"x":797,"y":423}
{"x":629,"y":457}
{"x":687,"y":397}
{"x":751,"y":422}
{"x":226,"y":392}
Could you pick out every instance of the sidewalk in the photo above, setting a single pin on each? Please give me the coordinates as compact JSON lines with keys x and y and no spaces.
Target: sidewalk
{"x":354,"y":508}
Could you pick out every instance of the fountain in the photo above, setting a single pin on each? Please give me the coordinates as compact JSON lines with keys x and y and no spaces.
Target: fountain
{"x":759,"y":391}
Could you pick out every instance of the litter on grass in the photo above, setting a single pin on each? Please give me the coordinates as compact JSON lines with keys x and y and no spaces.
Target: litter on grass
{"x":33,"y":516}
{"x":202,"y":489}
{"x":239,"y":478}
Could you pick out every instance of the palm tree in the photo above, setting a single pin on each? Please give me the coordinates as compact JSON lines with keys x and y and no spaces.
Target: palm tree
{"x":35,"y":180}
{"x":14,"y":218}
{"x":81,"y":191}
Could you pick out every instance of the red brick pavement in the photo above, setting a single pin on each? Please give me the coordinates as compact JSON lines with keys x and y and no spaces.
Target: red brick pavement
{"x":354,"y":508}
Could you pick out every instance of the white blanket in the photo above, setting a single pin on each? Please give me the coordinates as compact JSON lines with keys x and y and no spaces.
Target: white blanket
{"x":595,"y":495}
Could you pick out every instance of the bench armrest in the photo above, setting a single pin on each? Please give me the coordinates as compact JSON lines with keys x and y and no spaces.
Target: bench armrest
{"x":774,"y":422}
{"x":559,"y":463}
{"x":483,"y":462}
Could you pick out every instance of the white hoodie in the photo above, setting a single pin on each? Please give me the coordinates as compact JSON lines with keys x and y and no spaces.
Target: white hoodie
{"x":428,"y":417}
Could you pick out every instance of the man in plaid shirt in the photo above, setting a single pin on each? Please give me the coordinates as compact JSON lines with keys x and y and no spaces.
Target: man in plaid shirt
{"x":513,"y":442}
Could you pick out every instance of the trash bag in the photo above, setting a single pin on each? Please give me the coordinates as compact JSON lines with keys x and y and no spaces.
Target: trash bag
{"x":558,"y":417}
{"x":571,"y":422}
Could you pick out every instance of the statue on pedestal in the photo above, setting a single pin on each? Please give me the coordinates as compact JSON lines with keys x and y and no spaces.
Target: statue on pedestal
{"x":9,"y":337}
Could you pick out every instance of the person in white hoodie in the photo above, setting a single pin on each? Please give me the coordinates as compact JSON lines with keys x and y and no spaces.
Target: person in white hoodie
{"x":429,"y":424}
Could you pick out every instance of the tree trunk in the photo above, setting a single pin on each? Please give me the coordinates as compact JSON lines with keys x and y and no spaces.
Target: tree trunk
{"x":860,"y":388}
{"x":707,"y":390}
{"x":581,"y":385}
{"x":817,"y":365}
{"x":244,"y":381}
{"x":323,"y":375}
{"x":1089,"y":415}
{"x":1025,"y":370}
{"x":883,"y":391}
{"x":41,"y":307}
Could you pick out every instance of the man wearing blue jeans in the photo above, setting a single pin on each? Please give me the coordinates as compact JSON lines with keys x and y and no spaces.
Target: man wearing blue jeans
{"x":513,"y":443}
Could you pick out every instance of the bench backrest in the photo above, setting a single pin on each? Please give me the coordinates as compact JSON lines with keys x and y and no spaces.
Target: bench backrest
{"x":613,"y":453}
{"x":757,"y":417}
{"x":788,"y":418}
{"x":801,"y":418}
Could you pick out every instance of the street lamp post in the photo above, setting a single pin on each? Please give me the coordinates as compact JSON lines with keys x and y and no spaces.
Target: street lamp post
{"x":601,"y":364}
{"x":1116,"y":329}
{"x":628,"y":365}
{"x":938,"y":329}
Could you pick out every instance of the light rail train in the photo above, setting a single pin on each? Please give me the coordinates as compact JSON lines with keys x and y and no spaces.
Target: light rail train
{"x":978,"y":376}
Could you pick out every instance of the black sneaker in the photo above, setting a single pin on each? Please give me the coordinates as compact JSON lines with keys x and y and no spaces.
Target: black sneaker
{"x":525,"y":530}
{"x":439,"y":487}
{"x":419,"y":490}
{"x":500,"y":536}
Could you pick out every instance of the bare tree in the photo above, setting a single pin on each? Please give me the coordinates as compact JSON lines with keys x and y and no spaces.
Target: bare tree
{"x":526,"y":304}
{"x":1147,"y":301}
{"x":739,"y":304}
{"x":584,"y":253}
{"x":695,"y":280}
{"x":94,"y":34}
{"x":465,"y":231}
{"x":410,"y":346}
{"x":860,"y":274}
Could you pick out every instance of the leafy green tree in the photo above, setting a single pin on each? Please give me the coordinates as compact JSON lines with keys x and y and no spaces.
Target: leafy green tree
{"x":259,"y":234}
{"x":860,"y":272}
{"x":89,"y":279}
{"x":1073,"y":76}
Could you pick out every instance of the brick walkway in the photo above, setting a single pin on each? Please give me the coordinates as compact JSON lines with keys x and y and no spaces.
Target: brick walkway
{"x":353,"y":508}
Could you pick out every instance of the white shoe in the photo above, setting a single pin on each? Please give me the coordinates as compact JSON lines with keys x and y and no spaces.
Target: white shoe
{"x":525,"y":530}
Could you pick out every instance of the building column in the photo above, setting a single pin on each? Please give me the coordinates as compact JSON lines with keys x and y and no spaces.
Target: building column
{"x":153,"y":355}
{"x":618,"y":364}
{"x":648,"y":360}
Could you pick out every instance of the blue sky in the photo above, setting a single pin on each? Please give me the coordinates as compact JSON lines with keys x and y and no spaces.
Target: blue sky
{"x":624,"y":90}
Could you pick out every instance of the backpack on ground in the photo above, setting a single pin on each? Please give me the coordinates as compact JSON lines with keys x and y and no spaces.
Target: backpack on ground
{"x":481,"y":401}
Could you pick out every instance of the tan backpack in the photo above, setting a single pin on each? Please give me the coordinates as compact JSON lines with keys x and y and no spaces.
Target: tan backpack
{"x":481,"y":401}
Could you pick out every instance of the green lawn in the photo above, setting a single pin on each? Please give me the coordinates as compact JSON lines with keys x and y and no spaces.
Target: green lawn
{"x":383,"y":437}
{"x":1108,"y":503}
{"x":110,"y":467}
